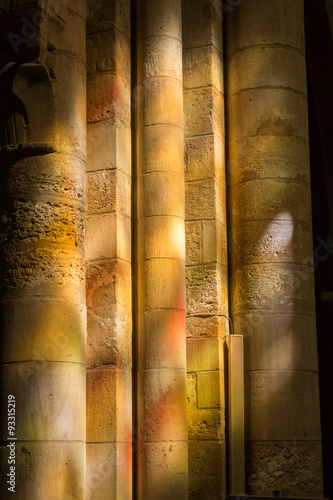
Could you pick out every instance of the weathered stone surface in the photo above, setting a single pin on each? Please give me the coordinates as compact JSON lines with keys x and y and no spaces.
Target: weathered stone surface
{"x":210,"y":326}
{"x":163,"y":238}
{"x":293,"y":466}
{"x":203,"y":111}
{"x":161,"y":340}
{"x":103,"y":15}
{"x":109,"y":51}
{"x":265,"y":22}
{"x":202,"y":67}
{"x":162,"y":19}
{"x":205,"y":200}
{"x":206,"y":459}
{"x":159,"y":56}
{"x":161,"y":193}
{"x":44,"y":395}
{"x":204,"y":354}
{"x":37,"y":463}
{"x":109,"y":475}
{"x":206,"y":289}
{"x":204,"y":158}
{"x":109,"y":407}
{"x":206,"y":29}
{"x":107,"y":236}
{"x":109,"y":191}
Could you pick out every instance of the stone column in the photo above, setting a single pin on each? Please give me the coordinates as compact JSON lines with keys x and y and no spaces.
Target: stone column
{"x":42,"y":275}
{"x":108,"y":252}
{"x":206,"y":246}
{"x":272,"y":295}
{"x":160,"y":252}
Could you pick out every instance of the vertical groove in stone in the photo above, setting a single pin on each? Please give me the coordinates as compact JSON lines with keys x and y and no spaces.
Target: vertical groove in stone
{"x":272,"y":291}
{"x":108,"y":252}
{"x":42,"y":290}
{"x":160,"y":251}
{"x":206,"y":246}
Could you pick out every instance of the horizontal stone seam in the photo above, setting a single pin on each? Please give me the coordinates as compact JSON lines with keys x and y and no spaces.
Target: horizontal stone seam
{"x":278,"y":441}
{"x":229,"y":56}
{"x":147,"y":37}
{"x":211,"y":265}
{"x":203,"y":87}
{"x":160,"y":77}
{"x":69,"y":54}
{"x":297,"y":137}
{"x":179,"y":259}
{"x":270,"y":87}
{"x":51,"y":196}
{"x":274,"y":262}
{"x":109,"y":442}
{"x":81,"y":16}
{"x":104,"y":212}
{"x":114,"y":27}
{"x":156,"y":124}
{"x":188,"y":48}
{"x":109,"y":169}
{"x":108,"y":30}
{"x":249,"y":221}
{"x":112,"y":366}
{"x":158,"y":368}
{"x":45,"y":298}
{"x":207,"y":440}
{"x":291,"y":370}
{"x":44,"y":244}
{"x":270,"y":311}
{"x":208,"y":134}
{"x":205,"y":219}
{"x":114,"y":72}
{"x":277,"y":313}
{"x":144,"y":217}
{"x":98,"y":260}
{"x":197,"y":181}
{"x":42,"y":361}
{"x":277,"y":179}
{"x":110,"y":120}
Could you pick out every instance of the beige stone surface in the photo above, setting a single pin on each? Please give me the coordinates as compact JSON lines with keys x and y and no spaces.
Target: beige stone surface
{"x":202,"y":67}
{"x":162,"y":237}
{"x":204,"y":354}
{"x":161,"y":193}
{"x":107,"y":236}
{"x":204,"y":458}
{"x":203,"y":111}
{"x":205,"y":157}
{"x":202,"y":24}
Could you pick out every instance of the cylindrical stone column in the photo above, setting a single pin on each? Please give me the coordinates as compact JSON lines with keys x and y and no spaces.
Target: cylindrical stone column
{"x":108,"y":252}
{"x":160,"y":254}
{"x":272,"y":294}
{"x":42,"y":284}
{"x":206,"y":246}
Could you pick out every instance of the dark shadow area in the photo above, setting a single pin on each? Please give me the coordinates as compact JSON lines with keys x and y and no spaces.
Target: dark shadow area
{"x":319,"y":54}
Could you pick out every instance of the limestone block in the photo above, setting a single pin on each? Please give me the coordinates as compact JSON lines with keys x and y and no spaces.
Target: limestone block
{"x":50,"y":397}
{"x":109,"y":191}
{"x":110,"y":334}
{"x":211,"y":389}
{"x":109,"y":475}
{"x":103,"y":15}
{"x":43,"y":330}
{"x":161,"y":193}
{"x":207,"y":478}
{"x":204,"y":158}
{"x":162,"y":19}
{"x":266,"y":66}
{"x":279,"y":240}
{"x":266,"y":156}
{"x":265,"y":22}
{"x":284,"y":404}
{"x":202,"y":23}
{"x":283,"y":287}
{"x":109,"y":146}
{"x":162,"y":407}
{"x":206,"y":289}
{"x":109,"y":408}
{"x":108,"y":236}
{"x":270,"y":199}
{"x":194,"y":242}
{"x":204,"y":354}
{"x":109,"y":51}
{"x":162,"y":98}
{"x":163,"y":237}
{"x":159,"y":56}
{"x":42,"y":270}
{"x":161,"y":339}
{"x":158,"y":290}
{"x":214,"y":235}
{"x":202,"y":67}
{"x":203,"y":111}
{"x":250,"y":115}
{"x":210,"y":326}
{"x":39,"y":463}
{"x":278,"y":341}
{"x":161,"y":148}
{"x":293,"y":465}
{"x":164,"y":467}
{"x":205,"y":422}
{"x":106,"y":101}
{"x":205,"y":200}
{"x":108,"y":282}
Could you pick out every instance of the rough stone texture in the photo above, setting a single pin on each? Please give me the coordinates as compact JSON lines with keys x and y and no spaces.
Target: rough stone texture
{"x":272,"y":292}
{"x":206,"y":249}
{"x":108,"y":252}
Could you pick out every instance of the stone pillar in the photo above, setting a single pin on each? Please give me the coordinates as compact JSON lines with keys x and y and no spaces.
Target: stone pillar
{"x":160,"y":253}
{"x":108,"y":252}
{"x":272,"y":294}
{"x":42,"y":275}
{"x":206,"y":246}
